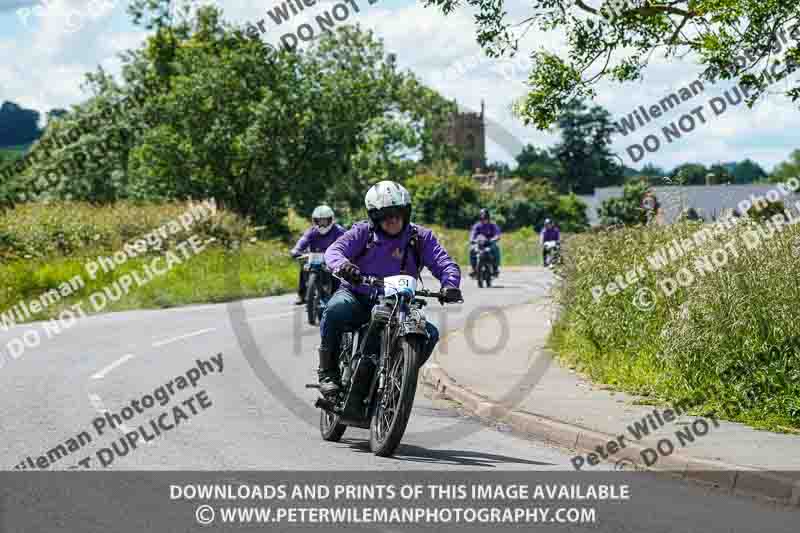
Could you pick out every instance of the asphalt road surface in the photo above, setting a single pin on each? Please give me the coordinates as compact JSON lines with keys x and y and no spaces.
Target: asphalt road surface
{"x":256,"y":413}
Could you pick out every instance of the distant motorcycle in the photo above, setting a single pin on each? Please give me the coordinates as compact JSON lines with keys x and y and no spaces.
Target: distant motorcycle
{"x":379,"y":364}
{"x":485,"y":261}
{"x":319,"y":287}
{"x":552,"y":253}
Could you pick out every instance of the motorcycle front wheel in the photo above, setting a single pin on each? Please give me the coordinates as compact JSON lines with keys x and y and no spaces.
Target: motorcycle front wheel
{"x":391,"y":415}
{"x":312,"y":300}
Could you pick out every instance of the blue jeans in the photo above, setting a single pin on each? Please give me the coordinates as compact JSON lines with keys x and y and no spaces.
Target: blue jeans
{"x":347,"y":311}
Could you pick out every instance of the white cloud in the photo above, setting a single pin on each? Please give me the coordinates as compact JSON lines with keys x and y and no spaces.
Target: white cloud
{"x":441,"y":50}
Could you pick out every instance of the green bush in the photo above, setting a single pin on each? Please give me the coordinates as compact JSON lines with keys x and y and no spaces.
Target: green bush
{"x":452,"y":201}
{"x":627,"y":209}
{"x":44,"y":230}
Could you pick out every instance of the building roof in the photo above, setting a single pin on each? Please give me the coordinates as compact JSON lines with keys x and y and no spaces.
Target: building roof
{"x":710,"y":201}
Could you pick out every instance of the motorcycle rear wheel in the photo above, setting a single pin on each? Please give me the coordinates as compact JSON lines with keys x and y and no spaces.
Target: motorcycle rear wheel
{"x":329,"y":426}
{"x":390,"y":417}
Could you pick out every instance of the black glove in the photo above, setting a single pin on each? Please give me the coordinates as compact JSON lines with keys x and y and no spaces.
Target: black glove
{"x":350,"y":272}
{"x":295,"y":255}
{"x":450,"y":295}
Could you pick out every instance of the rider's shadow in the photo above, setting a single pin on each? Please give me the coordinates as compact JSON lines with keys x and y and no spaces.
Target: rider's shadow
{"x":417,"y":454}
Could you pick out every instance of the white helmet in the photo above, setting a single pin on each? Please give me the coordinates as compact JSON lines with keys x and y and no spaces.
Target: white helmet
{"x":320,"y":213}
{"x":386,"y":197}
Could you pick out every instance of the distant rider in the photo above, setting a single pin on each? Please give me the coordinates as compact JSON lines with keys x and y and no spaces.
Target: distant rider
{"x":379,"y":247}
{"x":492,"y":232}
{"x":316,"y":239}
{"x":549,"y":233}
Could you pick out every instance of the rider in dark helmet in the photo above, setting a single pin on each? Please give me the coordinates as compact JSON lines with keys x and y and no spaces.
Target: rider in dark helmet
{"x":492,"y":232}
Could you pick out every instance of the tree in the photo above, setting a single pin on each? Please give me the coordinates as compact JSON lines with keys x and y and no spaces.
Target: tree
{"x":717,"y":175}
{"x":729,"y":38}
{"x":533,"y":163}
{"x":747,"y":171}
{"x":453,"y":201}
{"x":18,"y":125}
{"x":787,"y":169}
{"x":218,"y":115}
{"x":652,"y":170}
{"x":688,"y":174}
{"x":626,"y":209}
{"x":584,"y":155}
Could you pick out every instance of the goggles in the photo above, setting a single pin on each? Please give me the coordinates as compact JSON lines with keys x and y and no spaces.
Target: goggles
{"x":322,"y":222}
{"x":389,"y":212}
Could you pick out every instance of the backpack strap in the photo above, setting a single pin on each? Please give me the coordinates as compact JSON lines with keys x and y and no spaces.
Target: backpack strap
{"x":413,"y":242}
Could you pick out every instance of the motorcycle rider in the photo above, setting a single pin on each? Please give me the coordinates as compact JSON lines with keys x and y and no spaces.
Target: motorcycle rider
{"x":317,"y":238}
{"x":380,"y":247}
{"x":549,"y":233}
{"x":492,"y":231}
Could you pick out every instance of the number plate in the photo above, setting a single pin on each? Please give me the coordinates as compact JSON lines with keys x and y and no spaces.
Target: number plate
{"x":315,"y":259}
{"x":395,"y":284}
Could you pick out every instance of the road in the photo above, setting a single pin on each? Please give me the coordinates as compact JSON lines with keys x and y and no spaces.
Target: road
{"x":257,"y":415}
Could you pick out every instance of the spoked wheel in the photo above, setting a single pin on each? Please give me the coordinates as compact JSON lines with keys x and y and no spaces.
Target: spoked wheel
{"x":391,"y":415}
{"x":312,"y":300}
{"x":329,"y":425}
{"x":486,"y":275}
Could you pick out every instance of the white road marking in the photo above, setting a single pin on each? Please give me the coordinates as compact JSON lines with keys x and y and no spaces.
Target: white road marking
{"x":112,"y":366}
{"x":175,"y":339}
{"x":97,"y":403}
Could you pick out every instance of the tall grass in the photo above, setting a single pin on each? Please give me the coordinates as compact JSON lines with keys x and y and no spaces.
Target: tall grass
{"x":44,"y":245}
{"x":728,"y":342}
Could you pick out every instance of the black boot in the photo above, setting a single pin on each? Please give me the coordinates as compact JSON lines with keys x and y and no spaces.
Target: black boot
{"x":328,"y":373}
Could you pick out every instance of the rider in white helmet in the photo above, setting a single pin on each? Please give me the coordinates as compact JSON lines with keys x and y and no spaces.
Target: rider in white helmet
{"x":317,"y":238}
{"x":383,"y":246}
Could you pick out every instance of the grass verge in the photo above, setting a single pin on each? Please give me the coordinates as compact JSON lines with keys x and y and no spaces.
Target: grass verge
{"x":717,"y":326}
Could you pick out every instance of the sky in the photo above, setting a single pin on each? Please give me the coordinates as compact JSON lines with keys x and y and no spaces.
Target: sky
{"x":47,"y":46}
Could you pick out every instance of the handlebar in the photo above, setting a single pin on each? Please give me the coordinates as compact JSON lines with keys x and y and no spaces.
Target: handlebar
{"x":376,"y":282}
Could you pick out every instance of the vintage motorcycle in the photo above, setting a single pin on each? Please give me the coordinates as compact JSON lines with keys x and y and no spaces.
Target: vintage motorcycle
{"x":319,"y":287}
{"x":378,"y":365}
{"x":485,"y":265}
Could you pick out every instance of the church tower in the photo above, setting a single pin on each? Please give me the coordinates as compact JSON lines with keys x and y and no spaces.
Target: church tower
{"x":467,"y":133}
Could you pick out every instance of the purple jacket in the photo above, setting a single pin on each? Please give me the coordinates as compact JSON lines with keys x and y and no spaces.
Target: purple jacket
{"x":315,"y":242}
{"x":490,"y":230}
{"x":551,"y":234}
{"x":383,"y":256}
